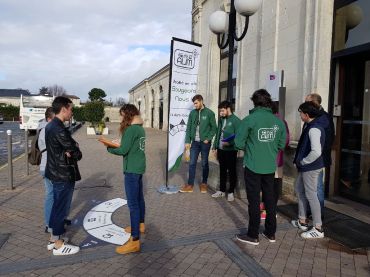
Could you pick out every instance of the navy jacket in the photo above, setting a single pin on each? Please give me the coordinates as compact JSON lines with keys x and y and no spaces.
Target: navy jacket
{"x":304,"y":145}
{"x":329,"y":137}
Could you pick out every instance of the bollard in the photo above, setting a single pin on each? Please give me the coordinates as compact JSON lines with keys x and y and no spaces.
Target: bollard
{"x":10,"y":159}
{"x":26,"y":150}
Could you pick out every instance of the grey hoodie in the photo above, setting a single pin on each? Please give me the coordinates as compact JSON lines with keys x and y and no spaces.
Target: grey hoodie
{"x":41,"y":144}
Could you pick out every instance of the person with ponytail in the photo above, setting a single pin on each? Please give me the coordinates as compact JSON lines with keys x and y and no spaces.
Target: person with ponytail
{"x":132,"y":148}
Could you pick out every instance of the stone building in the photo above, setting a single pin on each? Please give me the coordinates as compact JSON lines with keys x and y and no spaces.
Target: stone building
{"x":322,"y":46}
{"x":151,"y":96}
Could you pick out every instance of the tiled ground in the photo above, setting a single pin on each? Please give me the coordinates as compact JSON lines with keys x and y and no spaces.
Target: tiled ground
{"x":169,"y":217}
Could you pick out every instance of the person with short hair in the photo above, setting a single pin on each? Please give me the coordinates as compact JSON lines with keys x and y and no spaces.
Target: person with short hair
{"x":200,"y":130}
{"x":326,"y":153}
{"x":309,"y":162}
{"x":224,"y":149}
{"x":49,"y":197}
{"x":62,"y":170}
{"x":260,"y":135}
{"x":132,"y":150}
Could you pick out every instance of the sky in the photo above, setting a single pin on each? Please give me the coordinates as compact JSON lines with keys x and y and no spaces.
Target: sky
{"x":83,"y":44}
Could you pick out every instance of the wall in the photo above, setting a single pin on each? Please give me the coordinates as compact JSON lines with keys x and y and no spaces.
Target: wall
{"x":10,"y":101}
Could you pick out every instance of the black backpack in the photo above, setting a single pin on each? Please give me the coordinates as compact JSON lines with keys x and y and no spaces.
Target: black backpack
{"x":34,"y":155}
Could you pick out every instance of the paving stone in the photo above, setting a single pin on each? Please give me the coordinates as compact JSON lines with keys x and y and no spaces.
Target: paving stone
{"x":168,"y":217}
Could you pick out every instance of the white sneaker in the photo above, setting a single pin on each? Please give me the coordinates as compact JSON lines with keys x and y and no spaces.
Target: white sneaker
{"x":298,"y":224}
{"x":313,"y":234}
{"x":51,"y":244}
{"x":230,"y":197}
{"x":218,"y":194}
{"x":66,"y":249}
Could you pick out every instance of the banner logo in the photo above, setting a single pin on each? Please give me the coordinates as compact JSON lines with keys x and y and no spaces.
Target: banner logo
{"x":185,"y":59}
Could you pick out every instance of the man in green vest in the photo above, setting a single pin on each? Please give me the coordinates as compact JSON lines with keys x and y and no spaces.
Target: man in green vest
{"x":200,"y":130}
{"x":224,"y":149}
{"x":261,"y":135}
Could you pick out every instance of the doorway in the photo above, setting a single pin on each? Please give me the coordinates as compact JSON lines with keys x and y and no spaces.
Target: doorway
{"x":353,"y":179}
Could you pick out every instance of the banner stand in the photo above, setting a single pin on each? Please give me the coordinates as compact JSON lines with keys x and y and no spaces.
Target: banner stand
{"x":183,"y":77}
{"x":168,"y":189}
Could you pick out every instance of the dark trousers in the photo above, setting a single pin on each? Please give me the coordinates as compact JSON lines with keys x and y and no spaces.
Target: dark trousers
{"x":135,"y":201}
{"x":62,"y":192}
{"x":278,"y":185}
{"x":227,"y":161}
{"x":199,"y":147}
{"x":254,"y":183}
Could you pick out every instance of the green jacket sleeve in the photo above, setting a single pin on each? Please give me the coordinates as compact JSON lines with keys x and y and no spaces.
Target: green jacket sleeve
{"x":242,"y":135}
{"x":126,"y":143}
{"x":218,"y":134}
{"x":283,"y":134}
{"x":188,"y":128}
{"x":236,"y":124}
{"x":213,"y":127}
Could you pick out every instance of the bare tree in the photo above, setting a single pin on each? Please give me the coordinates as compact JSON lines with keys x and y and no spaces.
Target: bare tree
{"x":56,"y":90}
{"x":120,"y":101}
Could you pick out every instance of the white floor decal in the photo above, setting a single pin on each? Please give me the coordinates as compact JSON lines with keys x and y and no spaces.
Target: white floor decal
{"x":98,"y":222}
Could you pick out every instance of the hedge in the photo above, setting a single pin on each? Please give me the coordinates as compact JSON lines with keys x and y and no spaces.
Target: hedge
{"x":10,"y":112}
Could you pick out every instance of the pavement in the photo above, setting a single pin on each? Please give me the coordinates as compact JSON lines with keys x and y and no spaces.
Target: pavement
{"x":188,"y":234}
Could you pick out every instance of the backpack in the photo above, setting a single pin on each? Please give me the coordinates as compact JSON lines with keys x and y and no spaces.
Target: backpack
{"x":34,"y":155}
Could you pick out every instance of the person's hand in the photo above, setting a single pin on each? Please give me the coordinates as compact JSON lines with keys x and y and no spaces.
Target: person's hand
{"x":206,"y":142}
{"x":68,"y":154}
{"x":187,"y":146}
{"x":116,"y":141}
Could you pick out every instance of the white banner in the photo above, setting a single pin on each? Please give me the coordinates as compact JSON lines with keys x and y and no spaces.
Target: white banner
{"x":183,"y":86}
{"x":273,"y":84}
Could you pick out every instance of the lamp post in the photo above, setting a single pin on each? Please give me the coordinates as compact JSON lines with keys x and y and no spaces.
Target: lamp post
{"x":223,"y":24}
{"x":139,"y":102}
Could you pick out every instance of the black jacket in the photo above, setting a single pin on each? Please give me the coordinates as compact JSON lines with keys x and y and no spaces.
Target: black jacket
{"x":59,"y":141}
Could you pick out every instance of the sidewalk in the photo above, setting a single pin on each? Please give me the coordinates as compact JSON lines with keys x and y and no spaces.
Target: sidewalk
{"x":188,"y":234}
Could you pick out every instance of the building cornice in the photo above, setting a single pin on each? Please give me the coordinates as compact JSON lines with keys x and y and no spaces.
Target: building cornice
{"x":154,"y":75}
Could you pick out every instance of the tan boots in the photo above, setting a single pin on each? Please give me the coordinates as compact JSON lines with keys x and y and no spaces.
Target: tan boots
{"x":142,"y":228}
{"x":131,"y":246}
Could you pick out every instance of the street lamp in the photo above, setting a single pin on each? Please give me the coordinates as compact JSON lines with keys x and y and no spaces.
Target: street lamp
{"x":223,"y":25}
{"x":139,"y":102}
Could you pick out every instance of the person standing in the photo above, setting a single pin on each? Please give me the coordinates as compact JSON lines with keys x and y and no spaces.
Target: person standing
{"x":309,"y":162}
{"x":278,"y":180}
{"x":200,"y":129}
{"x":224,"y":149}
{"x":261,"y":135}
{"x":49,"y":197}
{"x":62,"y":170}
{"x":327,"y":119}
{"x":132,"y":149}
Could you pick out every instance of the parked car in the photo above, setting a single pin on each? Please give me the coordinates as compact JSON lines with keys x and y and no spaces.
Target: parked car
{"x":1,"y":119}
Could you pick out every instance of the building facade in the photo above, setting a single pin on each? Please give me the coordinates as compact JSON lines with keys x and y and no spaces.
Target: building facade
{"x":323,"y":46}
{"x":151,"y":97}
{"x":12,"y":96}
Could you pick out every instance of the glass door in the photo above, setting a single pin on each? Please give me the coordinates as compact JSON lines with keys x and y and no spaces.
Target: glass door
{"x":354,"y":175}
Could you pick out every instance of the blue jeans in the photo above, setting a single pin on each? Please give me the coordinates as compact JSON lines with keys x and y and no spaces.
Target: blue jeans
{"x":135,"y":201}
{"x":196,"y":148}
{"x":49,"y":199}
{"x":321,"y":190}
{"x":61,"y":193}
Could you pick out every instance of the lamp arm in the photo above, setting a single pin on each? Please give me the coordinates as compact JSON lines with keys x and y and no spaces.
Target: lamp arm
{"x":246,"y":25}
{"x":220,"y":40}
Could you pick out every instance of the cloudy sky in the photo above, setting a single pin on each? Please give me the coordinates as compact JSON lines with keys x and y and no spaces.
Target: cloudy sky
{"x":82,"y":44}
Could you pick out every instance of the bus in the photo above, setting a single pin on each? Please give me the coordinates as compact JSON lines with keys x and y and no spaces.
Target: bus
{"x":32,"y":109}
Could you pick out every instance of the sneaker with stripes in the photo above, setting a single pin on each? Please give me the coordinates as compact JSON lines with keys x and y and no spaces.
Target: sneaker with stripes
{"x":298,"y":224}
{"x":66,"y":249}
{"x":313,"y":233}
